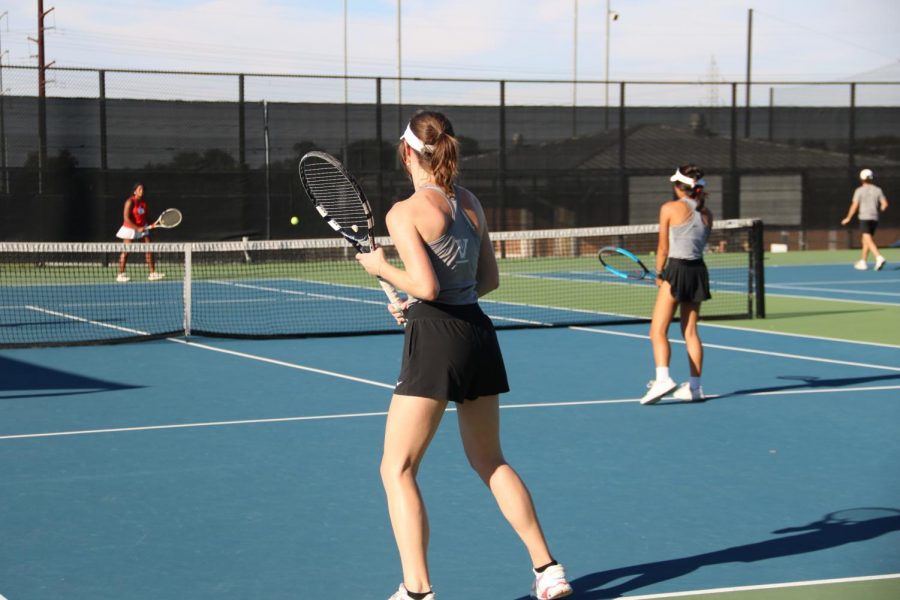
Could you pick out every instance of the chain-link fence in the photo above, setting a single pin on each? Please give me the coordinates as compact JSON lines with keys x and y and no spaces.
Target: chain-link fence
{"x":223,"y":147}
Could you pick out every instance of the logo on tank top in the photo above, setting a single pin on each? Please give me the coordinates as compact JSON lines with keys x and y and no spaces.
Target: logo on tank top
{"x":463,"y":245}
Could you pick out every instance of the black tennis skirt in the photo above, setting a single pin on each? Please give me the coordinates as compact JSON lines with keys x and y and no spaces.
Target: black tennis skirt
{"x":689,"y":279}
{"x":450,"y":353}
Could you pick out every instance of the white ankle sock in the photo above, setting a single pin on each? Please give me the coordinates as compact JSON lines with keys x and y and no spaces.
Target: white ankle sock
{"x":662,"y":373}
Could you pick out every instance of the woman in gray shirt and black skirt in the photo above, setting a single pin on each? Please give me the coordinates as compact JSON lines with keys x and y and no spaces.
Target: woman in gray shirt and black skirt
{"x":683,"y":280}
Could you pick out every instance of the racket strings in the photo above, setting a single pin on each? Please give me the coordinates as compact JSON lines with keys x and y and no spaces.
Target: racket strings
{"x":621,"y":263}
{"x":337,"y":196}
{"x":170,"y":218}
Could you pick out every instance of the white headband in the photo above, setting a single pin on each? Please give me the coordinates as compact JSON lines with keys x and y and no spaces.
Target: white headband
{"x":415,"y":143}
{"x":682,"y":178}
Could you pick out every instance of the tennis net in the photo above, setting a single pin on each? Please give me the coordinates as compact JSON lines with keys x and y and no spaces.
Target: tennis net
{"x":68,"y":293}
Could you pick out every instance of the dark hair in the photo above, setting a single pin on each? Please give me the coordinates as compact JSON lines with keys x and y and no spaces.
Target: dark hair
{"x":435,"y":130}
{"x":136,"y":185}
{"x":694,"y":191}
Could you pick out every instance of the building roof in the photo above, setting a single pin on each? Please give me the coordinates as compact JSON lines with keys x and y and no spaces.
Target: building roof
{"x":661,"y":147}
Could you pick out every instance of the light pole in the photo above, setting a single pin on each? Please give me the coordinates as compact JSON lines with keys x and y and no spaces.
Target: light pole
{"x":575,"y":72}
{"x":3,"y":116}
{"x":611,"y":16}
{"x":346,"y":152}
{"x":399,"y":71}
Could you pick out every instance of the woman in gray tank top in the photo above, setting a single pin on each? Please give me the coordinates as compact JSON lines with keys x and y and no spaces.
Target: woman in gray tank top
{"x":683,"y":280}
{"x":450,"y":353}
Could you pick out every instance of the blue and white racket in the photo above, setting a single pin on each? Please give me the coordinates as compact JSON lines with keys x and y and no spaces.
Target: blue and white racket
{"x":622,"y":263}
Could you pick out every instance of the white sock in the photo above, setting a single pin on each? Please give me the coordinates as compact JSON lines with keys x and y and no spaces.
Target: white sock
{"x":662,"y":373}
{"x":695,"y":383}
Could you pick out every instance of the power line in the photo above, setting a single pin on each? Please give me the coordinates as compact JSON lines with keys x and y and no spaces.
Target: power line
{"x":830,"y":36}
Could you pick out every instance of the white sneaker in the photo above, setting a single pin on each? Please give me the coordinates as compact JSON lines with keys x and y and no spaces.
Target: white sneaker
{"x":123,"y":278}
{"x":402,"y":594}
{"x":155,"y":276}
{"x":685,"y":392}
{"x":860,"y":265}
{"x":879,"y":263}
{"x":550,"y":584}
{"x":657,"y":389}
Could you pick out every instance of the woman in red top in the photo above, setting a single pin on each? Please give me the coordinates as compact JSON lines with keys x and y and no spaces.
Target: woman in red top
{"x":135,"y":227}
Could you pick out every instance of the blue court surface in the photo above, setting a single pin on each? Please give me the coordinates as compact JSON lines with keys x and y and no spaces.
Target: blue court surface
{"x":835,"y":282}
{"x":249,"y":469}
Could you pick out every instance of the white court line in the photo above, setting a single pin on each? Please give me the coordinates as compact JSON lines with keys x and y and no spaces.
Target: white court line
{"x":83,"y":320}
{"x":255,"y":357}
{"x":771,"y":586}
{"x":807,"y":288}
{"x":791,"y":392}
{"x":281,"y":363}
{"x":826,"y":299}
{"x":833,"y":282}
{"x":748,"y":350}
{"x":800,"y":335}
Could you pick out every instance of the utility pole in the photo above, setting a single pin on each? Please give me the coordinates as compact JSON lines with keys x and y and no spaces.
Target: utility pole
{"x":575,"y":73}
{"x":611,"y":16}
{"x":42,"y":93}
{"x":3,"y":117}
{"x":346,"y":152}
{"x":399,"y":71}
{"x":749,"y":61}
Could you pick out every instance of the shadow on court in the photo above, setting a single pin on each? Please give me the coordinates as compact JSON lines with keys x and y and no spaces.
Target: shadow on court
{"x":829,"y":532}
{"x":809,"y":383}
{"x":34,"y":381}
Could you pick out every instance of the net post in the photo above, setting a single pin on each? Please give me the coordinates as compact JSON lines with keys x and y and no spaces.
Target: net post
{"x":758,"y":268}
{"x":187,"y":289}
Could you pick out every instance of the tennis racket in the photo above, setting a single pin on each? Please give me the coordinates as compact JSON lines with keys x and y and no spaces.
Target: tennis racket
{"x":340,"y":200}
{"x":622,"y":263}
{"x":171,"y":217}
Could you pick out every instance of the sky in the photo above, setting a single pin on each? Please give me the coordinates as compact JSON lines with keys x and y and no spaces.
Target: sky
{"x":793,"y":40}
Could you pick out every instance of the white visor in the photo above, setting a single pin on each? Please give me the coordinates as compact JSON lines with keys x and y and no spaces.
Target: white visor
{"x":415,"y":143}
{"x":680,"y":177}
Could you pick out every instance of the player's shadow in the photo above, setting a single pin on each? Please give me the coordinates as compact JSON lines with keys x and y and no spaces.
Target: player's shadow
{"x":828,"y":532}
{"x":20,"y":379}
{"x":809,"y":383}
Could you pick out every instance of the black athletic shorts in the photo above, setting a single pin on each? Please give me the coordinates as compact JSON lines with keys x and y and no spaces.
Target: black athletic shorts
{"x":868,"y":226}
{"x":450,"y":353}
{"x":689,"y":279}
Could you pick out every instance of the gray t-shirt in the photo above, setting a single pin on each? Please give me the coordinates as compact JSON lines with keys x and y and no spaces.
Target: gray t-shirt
{"x":869,"y":198}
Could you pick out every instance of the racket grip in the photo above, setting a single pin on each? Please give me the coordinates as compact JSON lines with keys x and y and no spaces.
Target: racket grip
{"x":390,"y":292}
{"x":392,"y":295}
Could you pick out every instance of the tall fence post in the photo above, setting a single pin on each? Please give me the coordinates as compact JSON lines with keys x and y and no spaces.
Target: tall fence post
{"x":242,"y":117}
{"x":379,"y":141}
{"x":104,"y":152}
{"x":3,"y":130}
{"x":731,"y":208}
{"x":851,"y":141}
{"x":103,"y":147}
{"x":501,"y":167}
{"x":268,"y":171}
{"x":623,"y":173}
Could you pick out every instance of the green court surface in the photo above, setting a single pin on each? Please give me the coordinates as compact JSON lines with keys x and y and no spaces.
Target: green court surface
{"x":874,"y":589}
{"x":824,"y":317}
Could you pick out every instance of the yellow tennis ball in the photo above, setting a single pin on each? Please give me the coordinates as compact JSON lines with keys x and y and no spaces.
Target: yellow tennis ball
{"x":355,"y":228}
{"x":294,"y":220}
